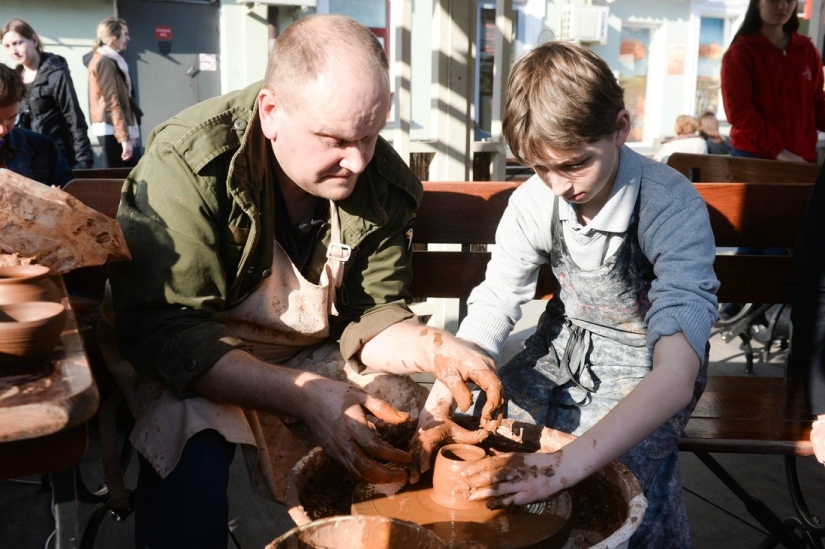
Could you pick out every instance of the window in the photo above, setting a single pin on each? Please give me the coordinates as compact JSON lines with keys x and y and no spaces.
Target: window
{"x":709,"y":65}
{"x":633,"y":64}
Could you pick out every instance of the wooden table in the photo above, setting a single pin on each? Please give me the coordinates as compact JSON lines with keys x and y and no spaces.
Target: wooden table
{"x":44,"y":409}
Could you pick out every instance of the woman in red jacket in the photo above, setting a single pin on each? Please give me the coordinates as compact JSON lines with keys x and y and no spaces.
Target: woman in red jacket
{"x":772,"y":85}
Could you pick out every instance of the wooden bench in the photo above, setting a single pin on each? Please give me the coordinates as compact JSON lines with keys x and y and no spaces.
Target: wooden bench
{"x":762,"y":415}
{"x":723,"y":168}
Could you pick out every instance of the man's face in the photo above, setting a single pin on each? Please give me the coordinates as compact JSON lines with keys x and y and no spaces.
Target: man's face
{"x":8,"y":117}
{"x":585,"y":174}
{"x":326,"y":136}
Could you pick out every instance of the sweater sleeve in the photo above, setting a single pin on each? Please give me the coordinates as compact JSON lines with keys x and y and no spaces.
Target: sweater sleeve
{"x":523,"y":241}
{"x":676,"y":236}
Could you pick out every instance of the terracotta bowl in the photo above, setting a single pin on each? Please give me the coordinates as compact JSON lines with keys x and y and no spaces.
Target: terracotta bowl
{"x":23,"y":283}
{"x":29,"y":331}
{"x":357,"y":532}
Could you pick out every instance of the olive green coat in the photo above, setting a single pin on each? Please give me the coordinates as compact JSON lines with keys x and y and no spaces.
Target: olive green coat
{"x":198,"y":215}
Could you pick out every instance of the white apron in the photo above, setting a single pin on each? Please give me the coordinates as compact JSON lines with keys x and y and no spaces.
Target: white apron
{"x":285,"y":321}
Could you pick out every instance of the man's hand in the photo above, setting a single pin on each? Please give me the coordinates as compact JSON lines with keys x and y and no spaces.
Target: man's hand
{"x":818,"y":438}
{"x":335,"y":414}
{"x":408,"y":347}
{"x":435,"y":429}
{"x":127,"y":150}
{"x":455,"y":362}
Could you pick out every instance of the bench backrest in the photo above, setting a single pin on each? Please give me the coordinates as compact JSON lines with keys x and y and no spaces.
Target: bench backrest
{"x":711,"y":168}
{"x":467,"y":213}
{"x":741,"y":214}
{"x":101,"y":173}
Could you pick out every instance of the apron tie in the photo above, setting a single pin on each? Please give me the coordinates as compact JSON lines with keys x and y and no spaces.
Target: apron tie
{"x":337,"y":255}
{"x":575,"y":367}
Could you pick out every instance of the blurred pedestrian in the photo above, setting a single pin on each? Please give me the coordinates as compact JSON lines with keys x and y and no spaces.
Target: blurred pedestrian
{"x":23,"y":151}
{"x":50,"y":106}
{"x":686,"y":140}
{"x":114,"y":113}
{"x":772,"y":86}
{"x":709,"y":131}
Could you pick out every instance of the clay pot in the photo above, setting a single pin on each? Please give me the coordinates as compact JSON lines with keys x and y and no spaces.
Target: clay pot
{"x":29,"y":331}
{"x":23,"y":283}
{"x":449,"y":486}
{"x":357,"y":532}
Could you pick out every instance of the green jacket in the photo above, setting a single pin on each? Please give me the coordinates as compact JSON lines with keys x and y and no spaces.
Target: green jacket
{"x":198,"y":215}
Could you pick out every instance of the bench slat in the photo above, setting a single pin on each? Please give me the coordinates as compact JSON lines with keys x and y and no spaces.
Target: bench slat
{"x":764,"y":415}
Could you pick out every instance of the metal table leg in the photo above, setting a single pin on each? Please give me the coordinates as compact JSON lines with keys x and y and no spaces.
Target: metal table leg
{"x":780,"y":531}
{"x":65,"y":509}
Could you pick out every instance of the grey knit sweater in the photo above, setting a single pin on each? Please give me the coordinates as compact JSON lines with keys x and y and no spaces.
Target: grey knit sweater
{"x":674,"y":234}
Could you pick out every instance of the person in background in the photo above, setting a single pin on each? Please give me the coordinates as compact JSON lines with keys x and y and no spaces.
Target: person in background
{"x":619,"y":357}
{"x":709,"y":131}
{"x":270,"y":232}
{"x":772,"y":86}
{"x":114,"y":113}
{"x":23,"y":151}
{"x":50,"y":106}
{"x":686,"y":140}
{"x":806,"y":288}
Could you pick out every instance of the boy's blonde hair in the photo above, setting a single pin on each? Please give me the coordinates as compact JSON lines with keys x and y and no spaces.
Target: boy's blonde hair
{"x":560,"y":95}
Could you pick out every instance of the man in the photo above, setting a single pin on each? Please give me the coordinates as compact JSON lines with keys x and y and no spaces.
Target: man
{"x":23,"y":151}
{"x":269,"y":228}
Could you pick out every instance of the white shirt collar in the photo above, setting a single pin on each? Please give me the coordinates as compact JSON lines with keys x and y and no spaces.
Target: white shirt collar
{"x":616,"y":214}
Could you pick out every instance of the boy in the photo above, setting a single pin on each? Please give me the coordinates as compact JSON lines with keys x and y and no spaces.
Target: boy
{"x":619,"y":357}
{"x":23,"y":151}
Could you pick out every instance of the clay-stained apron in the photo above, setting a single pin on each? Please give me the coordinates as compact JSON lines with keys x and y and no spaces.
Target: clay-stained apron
{"x":285,"y":315}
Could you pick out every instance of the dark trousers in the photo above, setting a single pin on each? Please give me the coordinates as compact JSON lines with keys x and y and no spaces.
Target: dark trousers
{"x":112,"y":151}
{"x":190,"y":507}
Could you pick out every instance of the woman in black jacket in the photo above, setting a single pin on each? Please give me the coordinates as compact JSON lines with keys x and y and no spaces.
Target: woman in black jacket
{"x":50,"y":106}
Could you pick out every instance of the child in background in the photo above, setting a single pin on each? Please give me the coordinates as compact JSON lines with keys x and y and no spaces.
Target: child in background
{"x":619,"y":357}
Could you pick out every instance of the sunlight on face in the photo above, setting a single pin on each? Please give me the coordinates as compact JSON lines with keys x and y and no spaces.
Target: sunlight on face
{"x":328,"y":135}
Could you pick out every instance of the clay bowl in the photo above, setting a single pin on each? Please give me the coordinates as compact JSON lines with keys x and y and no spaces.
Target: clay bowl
{"x":24,"y":283}
{"x":29,"y":331}
{"x":357,"y":532}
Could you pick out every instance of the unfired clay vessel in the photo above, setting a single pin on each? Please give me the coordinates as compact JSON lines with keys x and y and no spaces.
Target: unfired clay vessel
{"x":29,"y":331}
{"x":449,"y":488}
{"x":25,"y":283}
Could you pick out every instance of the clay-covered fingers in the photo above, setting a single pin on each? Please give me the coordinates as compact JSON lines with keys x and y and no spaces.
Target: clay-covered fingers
{"x":491,"y":385}
{"x":428,"y":441}
{"x":383,"y":411}
{"x":369,"y":439}
{"x":447,"y":372}
{"x":369,"y":470}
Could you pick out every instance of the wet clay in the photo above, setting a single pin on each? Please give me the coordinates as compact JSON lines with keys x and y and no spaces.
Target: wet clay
{"x":538,"y":525}
{"x":597,"y":507}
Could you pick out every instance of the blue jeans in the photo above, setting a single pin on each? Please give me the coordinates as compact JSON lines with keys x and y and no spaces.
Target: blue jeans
{"x":744,"y":154}
{"x":190,"y":507}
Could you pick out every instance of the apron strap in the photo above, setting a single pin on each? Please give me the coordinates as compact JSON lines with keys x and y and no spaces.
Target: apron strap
{"x":337,"y":255}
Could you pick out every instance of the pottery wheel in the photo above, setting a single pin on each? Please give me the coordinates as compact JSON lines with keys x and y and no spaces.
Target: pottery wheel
{"x":537,"y":525}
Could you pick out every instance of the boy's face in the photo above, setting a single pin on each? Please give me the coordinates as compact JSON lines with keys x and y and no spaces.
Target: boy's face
{"x":584,"y":175}
{"x":8,"y":117}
